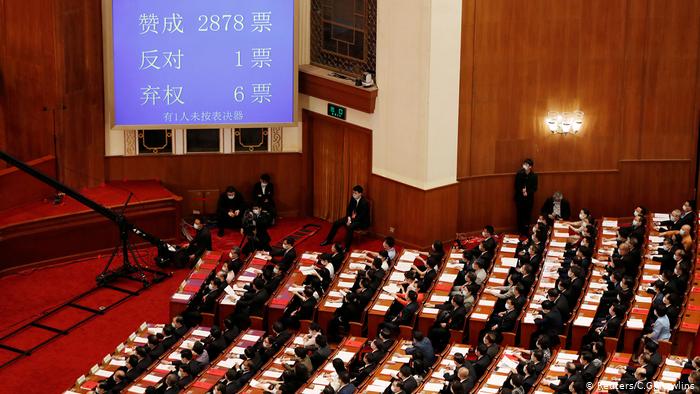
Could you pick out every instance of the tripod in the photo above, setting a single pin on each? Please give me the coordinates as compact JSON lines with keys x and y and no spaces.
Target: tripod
{"x":132,"y":270}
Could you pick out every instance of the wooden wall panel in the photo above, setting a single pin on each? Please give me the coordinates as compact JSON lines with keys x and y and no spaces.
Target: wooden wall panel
{"x":215,"y":171}
{"x":51,"y":81}
{"x":669,"y":123}
{"x":660,"y":185}
{"x":17,"y":188}
{"x":81,"y":119}
{"x":418,"y":217}
{"x":29,"y":77}
{"x":632,"y":66}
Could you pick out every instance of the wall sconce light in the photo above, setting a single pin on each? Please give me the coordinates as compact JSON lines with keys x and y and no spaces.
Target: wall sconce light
{"x":564,"y":122}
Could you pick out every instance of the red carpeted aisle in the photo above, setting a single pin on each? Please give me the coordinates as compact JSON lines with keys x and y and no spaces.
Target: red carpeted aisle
{"x":54,"y":367}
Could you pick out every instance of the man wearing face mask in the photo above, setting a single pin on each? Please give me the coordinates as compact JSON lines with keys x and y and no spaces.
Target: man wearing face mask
{"x":254,"y":229}
{"x":356,"y":218}
{"x":201,"y":241}
{"x":229,"y":210}
{"x":287,"y":255}
{"x":688,"y":215}
{"x":525,"y":188}
{"x":263,"y":192}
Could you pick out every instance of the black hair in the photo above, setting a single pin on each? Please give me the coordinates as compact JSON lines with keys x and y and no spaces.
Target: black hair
{"x":358,"y":188}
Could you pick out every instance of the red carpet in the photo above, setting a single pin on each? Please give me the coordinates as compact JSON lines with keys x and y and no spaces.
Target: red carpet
{"x":54,"y":367}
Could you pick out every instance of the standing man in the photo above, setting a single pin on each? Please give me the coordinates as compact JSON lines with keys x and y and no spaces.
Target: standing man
{"x":229,"y":210}
{"x":254,"y":228}
{"x":263,"y":192}
{"x":525,"y":188}
{"x":356,"y":218}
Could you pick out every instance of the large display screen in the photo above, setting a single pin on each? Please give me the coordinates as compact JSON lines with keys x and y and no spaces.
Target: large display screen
{"x":200,"y":62}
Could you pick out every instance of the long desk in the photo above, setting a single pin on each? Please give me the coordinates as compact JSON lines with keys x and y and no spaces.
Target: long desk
{"x":435,"y":382}
{"x":393,"y":361}
{"x":161,"y":368}
{"x":274,"y":368}
{"x":557,"y":368}
{"x":505,"y":259}
{"x":687,"y":339}
{"x":231,"y":357}
{"x":344,"y":280}
{"x":670,"y":373}
{"x":346,"y":351}
{"x":381,"y":303}
{"x":605,"y":245}
{"x":207,"y":264}
{"x":611,"y":374}
{"x":641,"y":306}
{"x":548,"y":275}
{"x":111,"y":362}
{"x":295,"y":279}
{"x":440,"y":291}
{"x":227,"y":302}
{"x":507,"y":362}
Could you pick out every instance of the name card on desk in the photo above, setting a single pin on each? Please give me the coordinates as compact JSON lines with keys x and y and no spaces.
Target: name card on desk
{"x":480,"y":316}
{"x":448,"y":277}
{"x":583,"y":321}
{"x":456,"y":256}
{"x":507,"y":249}
{"x":509,"y":261}
{"x":431,"y":311}
{"x":609,"y":223}
{"x":381,"y":307}
{"x":510,"y":241}
{"x":181,"y":297}
{"x":557,"y":244}
{"x":403,"y":267}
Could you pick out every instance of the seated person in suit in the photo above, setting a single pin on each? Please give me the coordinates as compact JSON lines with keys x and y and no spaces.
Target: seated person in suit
{"x":556,"y":208}
{"x":201,"y":241}
{"x":422,"y":344}
{"x":211,"y":296}
{"x":263,"y":195}
{"x":504,"y":321}
{"x":356,"y":218}
{"x":229,"y":209}
{"x":171,"y":384}
{"x":286,"y":256}
{"x":233,"y":264}
{"x":688,"y":214}
{"x":346,"y":387}
{"x":609,"y":327}
{"x":489,"y":244}
{"x":682,"y":237}
{"x":301,"y":307}
{"x":406,"y":315}
{"x":674,"y":222}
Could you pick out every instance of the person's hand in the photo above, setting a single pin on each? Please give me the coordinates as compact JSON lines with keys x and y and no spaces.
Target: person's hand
{"x":236,"y":212}
{"x":241,"y":231}
{"x":231,"y":214}
{"x":349,"y":221}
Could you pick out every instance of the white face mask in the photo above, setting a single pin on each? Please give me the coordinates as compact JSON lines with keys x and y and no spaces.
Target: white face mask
{"x":197,"y":226}
{"x":256,"y":211}
{"x":677,"y":257}
{"x":263,"y":183}
{"x":276,"y":270}
{"x":230,"y":255}
{"x":231,"y":197}
{"x":636,"y":223}
{"x":581,"y":216}
{"x":682,"y":232}
{"x":212,"y":287}
{"x":526,"y":167}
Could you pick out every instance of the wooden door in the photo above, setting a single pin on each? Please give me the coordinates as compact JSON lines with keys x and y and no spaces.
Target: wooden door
{"x":341,"y":157}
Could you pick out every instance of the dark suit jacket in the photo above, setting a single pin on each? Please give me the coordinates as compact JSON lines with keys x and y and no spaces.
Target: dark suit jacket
{"x":482,"y":364}
{"x":458,"y":316}
{"x":550,"y":322}
{"x":224,"y":204}
{"x":527,"y":181}
{"x":360,"y":210}
{"x":253,"y":302}
{"x":287,"y":258}
{"x":410,"y":385}
{"x":564,"y":208}
{"x":405,"y":318}
{"x":687,"y":218}
{"x":563,"y":305}
{"x":201,"y":241}
{"x":507,"y":323}
{"x":347,"y":389}
{"x":612,"y":328}
{"x":264,"y":199}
